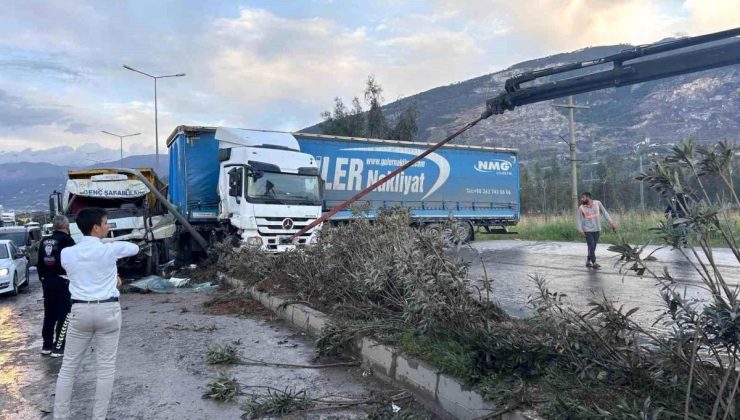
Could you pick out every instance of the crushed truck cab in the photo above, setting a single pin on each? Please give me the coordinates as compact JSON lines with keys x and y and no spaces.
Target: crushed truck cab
{"x":134,"y":214}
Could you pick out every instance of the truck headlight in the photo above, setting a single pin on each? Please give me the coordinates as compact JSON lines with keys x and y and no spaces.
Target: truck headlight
{"x":314,"y":240}
{"x":4,"y":271}
{"x":254,"y":241}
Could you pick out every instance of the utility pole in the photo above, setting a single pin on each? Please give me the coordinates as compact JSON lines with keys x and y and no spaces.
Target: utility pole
{"x":645,"y":142}
{"x":572,"y":145}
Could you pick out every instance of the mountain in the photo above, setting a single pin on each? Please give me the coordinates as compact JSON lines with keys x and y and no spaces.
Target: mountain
{"x":26,"y":185}
{"x":702,"y":105}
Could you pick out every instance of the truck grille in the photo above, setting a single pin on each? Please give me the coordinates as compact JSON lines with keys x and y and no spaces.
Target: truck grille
{"x":273,"y":232}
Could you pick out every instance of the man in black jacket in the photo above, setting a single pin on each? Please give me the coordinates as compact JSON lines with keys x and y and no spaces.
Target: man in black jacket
{"x":57,"y":303}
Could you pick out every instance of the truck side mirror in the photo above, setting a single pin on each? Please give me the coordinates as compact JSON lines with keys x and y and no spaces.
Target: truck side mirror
{"x":235,"y":183}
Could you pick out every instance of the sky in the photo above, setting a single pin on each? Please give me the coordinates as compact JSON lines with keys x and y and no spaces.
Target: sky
{"x":275,"y":64}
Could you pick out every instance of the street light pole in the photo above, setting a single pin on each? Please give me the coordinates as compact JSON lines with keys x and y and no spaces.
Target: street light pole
{"x":120,"y":137}
{"x":156,"y":122}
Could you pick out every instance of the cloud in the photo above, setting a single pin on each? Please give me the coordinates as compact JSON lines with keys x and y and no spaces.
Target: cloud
{"x":260,"y":57}
{"x":16,"y":112}
{"x":77,"y":128}
{"x":712,"y":16}
{"x":574,"y":24}
{"x":41,"y":66}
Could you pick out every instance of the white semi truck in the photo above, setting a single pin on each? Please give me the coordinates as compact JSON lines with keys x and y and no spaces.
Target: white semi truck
{"x":255,"y":187}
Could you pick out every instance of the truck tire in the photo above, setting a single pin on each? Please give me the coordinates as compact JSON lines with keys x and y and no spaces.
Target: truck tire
{"x":184,"y":250}
{"x":454,"y":233}
{"x":464,"y":232}
{"x":153,"y":260}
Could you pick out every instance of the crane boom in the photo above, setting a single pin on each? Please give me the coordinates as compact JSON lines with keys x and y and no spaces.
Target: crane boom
{"x":635,"y":65}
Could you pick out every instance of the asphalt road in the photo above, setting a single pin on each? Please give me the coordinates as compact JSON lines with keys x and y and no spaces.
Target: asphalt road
{"x":161,"y":372}
{"x":510,"y":263}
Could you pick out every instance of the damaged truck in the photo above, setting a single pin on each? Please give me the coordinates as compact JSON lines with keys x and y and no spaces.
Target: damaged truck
{"x":134,"y":213}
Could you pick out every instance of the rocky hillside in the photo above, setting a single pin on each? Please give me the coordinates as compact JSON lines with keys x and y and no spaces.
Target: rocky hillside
{"x":703,"y":105}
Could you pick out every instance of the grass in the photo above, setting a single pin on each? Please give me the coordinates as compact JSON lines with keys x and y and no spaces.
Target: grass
{"x":218,"y":354}
{"x":634,"y":226}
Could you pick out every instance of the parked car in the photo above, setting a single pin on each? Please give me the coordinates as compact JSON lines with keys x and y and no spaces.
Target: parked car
{"x":27,"y":239}
{"x":13,"y":268}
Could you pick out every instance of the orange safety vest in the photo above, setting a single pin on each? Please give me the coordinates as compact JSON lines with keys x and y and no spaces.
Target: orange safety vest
{"x":590,"y":216}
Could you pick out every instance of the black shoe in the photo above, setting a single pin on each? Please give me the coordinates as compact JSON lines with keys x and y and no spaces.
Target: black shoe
{"x":45,"y":352}
{"x":56,"y":354}
{"x":596,"y":266}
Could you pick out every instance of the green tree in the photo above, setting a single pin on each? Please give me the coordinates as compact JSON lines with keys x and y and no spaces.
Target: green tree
{"x":377,"y":125}
{"x":406,"y":127}
{"x":356,"y":122}
{"x":335,"y":122}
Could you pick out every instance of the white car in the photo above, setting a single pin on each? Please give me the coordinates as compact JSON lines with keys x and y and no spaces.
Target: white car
{"x":13,"y":268}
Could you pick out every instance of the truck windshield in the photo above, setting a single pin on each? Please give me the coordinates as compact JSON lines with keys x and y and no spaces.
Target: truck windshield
{"x":116,"y":207}
{"x":279,"y":188}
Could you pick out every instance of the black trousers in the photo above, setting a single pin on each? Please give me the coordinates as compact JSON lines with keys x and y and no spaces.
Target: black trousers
{"x":57,"y":305}
{"x":592,"y":238}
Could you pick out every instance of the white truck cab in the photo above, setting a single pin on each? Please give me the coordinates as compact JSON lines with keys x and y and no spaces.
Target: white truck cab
{"x":269,"y":190}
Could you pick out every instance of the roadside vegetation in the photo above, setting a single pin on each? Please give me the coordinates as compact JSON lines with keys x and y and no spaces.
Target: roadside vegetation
{"x":633,"y":225}
{"x":404,"y":287}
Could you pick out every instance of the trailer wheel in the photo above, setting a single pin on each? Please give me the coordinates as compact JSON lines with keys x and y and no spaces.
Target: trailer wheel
{"x":464,"y":232}
{"x":454,"y":233}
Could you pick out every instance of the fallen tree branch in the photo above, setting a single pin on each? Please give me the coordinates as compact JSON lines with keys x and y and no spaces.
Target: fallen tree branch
{"x":253,"y":362}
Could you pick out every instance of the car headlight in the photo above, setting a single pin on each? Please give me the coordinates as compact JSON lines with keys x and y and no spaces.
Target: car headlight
{"x":4,"y":271}
{"x":254,"y":241}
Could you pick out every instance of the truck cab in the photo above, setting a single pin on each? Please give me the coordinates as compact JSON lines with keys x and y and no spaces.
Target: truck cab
{"x":253,"y":186}
{"x":134,"y":215}
{"x":269,"y":189}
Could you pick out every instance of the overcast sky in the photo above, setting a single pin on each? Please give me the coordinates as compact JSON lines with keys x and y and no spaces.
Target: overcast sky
{"x":277,"y":64}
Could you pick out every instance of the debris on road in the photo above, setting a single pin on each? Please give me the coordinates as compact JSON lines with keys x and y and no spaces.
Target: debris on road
{"x":158,"y":284}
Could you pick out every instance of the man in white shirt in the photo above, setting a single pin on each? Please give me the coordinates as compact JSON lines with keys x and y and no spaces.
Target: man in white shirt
{"x":96,"y":313}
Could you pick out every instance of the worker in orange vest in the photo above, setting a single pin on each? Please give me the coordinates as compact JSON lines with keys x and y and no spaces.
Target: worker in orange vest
{"x":588,"y":223}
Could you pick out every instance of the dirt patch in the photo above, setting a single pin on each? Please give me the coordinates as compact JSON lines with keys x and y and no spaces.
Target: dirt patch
{"x":235,"y":305}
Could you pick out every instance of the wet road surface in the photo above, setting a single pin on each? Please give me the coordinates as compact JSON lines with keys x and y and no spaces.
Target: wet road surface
{"x":509,"y":264}
{"x":161,"y":372}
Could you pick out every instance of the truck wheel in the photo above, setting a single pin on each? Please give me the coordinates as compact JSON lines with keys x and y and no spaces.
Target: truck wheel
{"x":184,"y":251}
{"x":463,"y":232}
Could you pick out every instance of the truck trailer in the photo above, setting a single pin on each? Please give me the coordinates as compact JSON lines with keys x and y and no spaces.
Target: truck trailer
{"x":471,"y":186}
{"x":262,"y":186}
